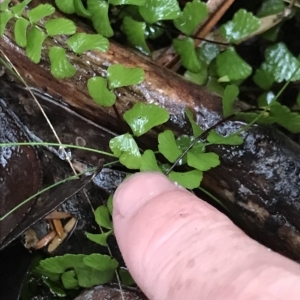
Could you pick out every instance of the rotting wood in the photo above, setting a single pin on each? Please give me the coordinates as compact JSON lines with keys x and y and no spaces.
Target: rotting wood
{"x":259,"y":181}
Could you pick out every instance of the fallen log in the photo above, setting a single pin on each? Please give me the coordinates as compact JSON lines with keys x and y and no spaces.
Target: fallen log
{"x":259,"y":181}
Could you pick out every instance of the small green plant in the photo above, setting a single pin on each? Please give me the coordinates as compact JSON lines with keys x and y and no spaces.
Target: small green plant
{"x":221,"y":70}
{"x":82,"y":271}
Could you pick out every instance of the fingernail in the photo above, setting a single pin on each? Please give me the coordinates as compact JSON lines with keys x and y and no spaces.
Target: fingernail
{"x":138,"y":189}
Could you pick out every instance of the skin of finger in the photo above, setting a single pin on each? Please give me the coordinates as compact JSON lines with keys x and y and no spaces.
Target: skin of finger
{"x":176,"y":246}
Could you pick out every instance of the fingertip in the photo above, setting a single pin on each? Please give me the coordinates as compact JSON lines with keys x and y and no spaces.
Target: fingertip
{"x":138,"y":189}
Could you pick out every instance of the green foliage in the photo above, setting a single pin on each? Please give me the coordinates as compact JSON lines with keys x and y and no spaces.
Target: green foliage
{"x":82,"y":42}
{"x":4,"y":18}
{"x":101,"y":262}
{"x":126,"y":278}
{"x":193,"y":13}
{"x":127,"y":2}
{"x":80,"y":270}
{"x":263,"y":79}
{"x":186,"y":50}
{"x":135,"y":32}
{"x":35,"y":39}
{"x":242,"y":25}
{"x":18,"y":9}
{"x":195,"y":127}
{"x":60,"y":66}
{"x":100,"y":238}
{"x":60,"y":26}
{"x":207,"y":53}
{"x":119,"y":75}
{"x":40,"y":12}
{"x":102,"y":217}
{"x":81,"y":10}
{"x":217,"y":139}
{"x":99,"y":16}
{"x":66,"y":6}
{"x":230,"y":94}
{"x":142,"y":117}
{"x":167,"y":146}
{"x":198,"y":78}
{"x":280,"y":64}
{"x":283,"y":116}
{"x":203,"y":161}
{"x":189,"y":179}
{"x":231,"y":65}
{"x":69,"y":280}
{"x":125,"y":148}
{"x":270,"y":7}
{"x":149,"y":162}
{"x":110,"y":204}
{"x":155,"y":10}
{"x":20,"y":32}
{"x":4,"y":5}
{"x":97,"y":87}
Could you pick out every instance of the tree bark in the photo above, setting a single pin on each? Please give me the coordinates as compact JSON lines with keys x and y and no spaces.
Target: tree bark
{"x":259,"y":181}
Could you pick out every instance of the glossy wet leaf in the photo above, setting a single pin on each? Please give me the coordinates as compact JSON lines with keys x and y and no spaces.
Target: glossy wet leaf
{"x":284,"y":117}
{"x":101,"y":262}
{"x":167,"y":146}
{"x":195,"y":127}
{"x":280,"y":63}
{"x":35,"y":39}
{"x":18,"y":9}
{"x":118,"y":75}
{"x":157,"y":10}
{"x":39,"y":12}
{"x":230,"y":94}
{"x":60,"y":66}
{"x":4,"y":18}
{"x":60,"y":26}
{"x":184,"y":141}
{"x":270,"y":7}
{"x":230,"y":64}
{"x":127,"y":2}
{"x":69,"y":280}
{"x":20,"y":32}
{"x":215,"y":138}
{"x":81,"y":42}
{"x":81,"y":10}
{"x":203,"y":161}
{"x":265,"y":99}
{"x":102,"y":217}
{"x":97,"y":87}
{"x":125,"y":147}
{"x":149,"y":162}
{"x":135,"y":33}
{"x":193,"y":13}
{"x":189,"y":179}
{"x":99,"y":16}
{"x":186,"y":50}
{"x":242,"y":25}
{"x":142,"y":117}
{"x":66,"y":6}
{"x":207,"y":52}
{"x":100,"y":238}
